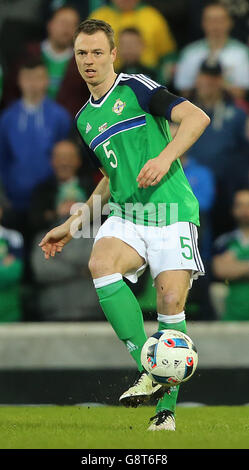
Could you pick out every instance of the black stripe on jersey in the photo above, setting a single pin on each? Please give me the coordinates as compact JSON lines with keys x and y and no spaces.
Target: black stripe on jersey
{"x":149,"y":80}
{"x":162,"y":102}
{"x":141,"y":79}
{"x":194,"y":246}
{"x":152,"y":97}
{"x":195,"y":249}
{"x":89,"y":153}
{"x":81,"y":109}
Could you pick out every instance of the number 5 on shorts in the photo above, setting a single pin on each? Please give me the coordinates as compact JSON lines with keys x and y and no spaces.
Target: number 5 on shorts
{"x":186,"y":246}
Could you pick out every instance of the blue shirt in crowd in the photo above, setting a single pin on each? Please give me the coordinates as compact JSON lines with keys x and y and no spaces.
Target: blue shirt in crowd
{"x":223,"y":143}
{"x":27,"y":137}
{"x":202,"y":182}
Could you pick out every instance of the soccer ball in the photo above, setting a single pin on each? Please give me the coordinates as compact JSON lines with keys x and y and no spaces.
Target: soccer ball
{"x":169,"y":357}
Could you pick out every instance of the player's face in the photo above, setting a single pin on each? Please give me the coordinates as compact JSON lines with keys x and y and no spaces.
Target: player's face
{"x":93,"y":57}
{"x":62,"y":27}
{"x":241,"y":208}
{"x":33,"y":82}
{"x":216,"y":22}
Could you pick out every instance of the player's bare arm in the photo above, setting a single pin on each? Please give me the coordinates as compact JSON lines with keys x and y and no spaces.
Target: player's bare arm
{"x":58,"y":237}
{"x":192,"y":123}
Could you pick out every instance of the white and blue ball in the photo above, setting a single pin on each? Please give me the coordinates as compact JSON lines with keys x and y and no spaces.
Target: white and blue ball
{"x":169,"y":357}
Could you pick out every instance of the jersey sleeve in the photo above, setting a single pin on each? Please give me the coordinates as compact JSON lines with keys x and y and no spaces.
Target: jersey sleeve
{"x":153,"y":97}
{"x":162,"y":103}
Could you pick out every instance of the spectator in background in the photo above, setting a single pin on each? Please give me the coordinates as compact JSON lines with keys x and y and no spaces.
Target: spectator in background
{"x":65,"y":291}
{"x":231,"y":260}
{"x":28,"y":130}
{"x":11,"y":268}
{"x":202,"y":182}
{"x":158,"y":40}
{"x":239,"y":11}
{"x":226,"y":135}
{"x":216,"y":45}
{"x":83,"y":7}
{"x":223,"y":146}
{"x":52,"y":199}
{"x":1,"y":84}
{"x":131,"y":46}
{"x":176,"y":13}
{"x":20,"y":20}
{"x":20,"y":9}
{"x":56,"y":52}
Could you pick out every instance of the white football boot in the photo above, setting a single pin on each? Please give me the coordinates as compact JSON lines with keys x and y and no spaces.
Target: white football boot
{"x":163,"y":421}
{"x":142,"y":390}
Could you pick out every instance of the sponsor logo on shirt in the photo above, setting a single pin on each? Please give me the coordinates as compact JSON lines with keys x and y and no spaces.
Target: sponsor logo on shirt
{"x":88,"y":128}
{"x":131,"y":346}
{"x":103,"y":127}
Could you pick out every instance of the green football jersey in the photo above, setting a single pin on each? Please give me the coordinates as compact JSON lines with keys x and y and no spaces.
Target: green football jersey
{"x":122,"y":135}
{"x":237,"y":300}
{"x":56,"y":65}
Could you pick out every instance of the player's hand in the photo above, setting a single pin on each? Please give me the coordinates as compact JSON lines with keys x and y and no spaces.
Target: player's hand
{"x":153,"y":171}
{"x":54,"y":241}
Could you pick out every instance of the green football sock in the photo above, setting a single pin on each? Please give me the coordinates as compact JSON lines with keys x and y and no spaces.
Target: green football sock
{"x":168,"y":402}
{"x":123,"y":312}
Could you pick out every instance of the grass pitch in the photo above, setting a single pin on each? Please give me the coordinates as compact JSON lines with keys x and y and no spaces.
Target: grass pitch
{"x":77,"y":427}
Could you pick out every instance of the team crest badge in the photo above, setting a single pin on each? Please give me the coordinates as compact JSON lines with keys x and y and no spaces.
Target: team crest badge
{"x":118,"y":107}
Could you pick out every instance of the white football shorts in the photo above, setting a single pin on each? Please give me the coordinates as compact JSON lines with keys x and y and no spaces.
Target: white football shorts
{"x":163,"y":248}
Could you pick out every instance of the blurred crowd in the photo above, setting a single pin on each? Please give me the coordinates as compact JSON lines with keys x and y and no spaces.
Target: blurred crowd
{"x":200,"y":50}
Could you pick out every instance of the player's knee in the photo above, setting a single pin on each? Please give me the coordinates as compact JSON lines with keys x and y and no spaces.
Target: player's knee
{"x":100,"y":266}
{"x":96,"y":266}
{"x":171,"y":300}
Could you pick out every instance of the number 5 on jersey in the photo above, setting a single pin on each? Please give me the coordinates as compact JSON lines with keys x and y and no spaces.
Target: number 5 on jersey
{"x":110,"y":153}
